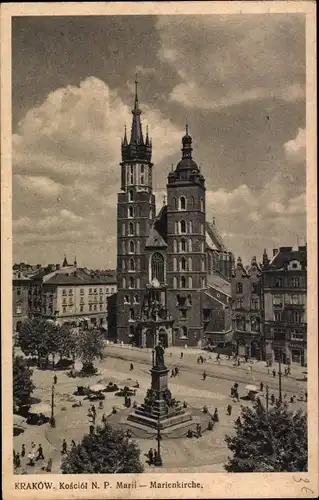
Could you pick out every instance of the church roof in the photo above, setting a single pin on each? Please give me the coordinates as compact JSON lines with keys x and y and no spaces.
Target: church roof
{"x":158,"y":233}
{"x":219,"y":283}
{"x":213,"y":238}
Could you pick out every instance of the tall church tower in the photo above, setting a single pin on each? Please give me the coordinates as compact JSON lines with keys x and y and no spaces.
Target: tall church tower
{"x":186,"y":258}
{"x":135,"y":215}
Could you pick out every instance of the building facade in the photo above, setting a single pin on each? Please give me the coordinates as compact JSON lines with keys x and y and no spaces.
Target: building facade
{"x":247,"y":309}
{"x":285,"y":304}
{"x":162,"y":263}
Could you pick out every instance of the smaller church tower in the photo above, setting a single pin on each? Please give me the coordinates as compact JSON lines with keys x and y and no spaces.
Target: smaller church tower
{"x":186,"y":257}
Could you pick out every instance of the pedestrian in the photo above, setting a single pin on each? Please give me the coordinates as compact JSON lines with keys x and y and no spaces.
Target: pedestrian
{"x":150,"y":455}
{"x":182,"y":355}
{"x":204,"y":376}
{"x":40,"y":453}
{"x":93,"y":410}
{"x":229,"y":409}
{"x":306,"y":396}
{"x":131,"y":367}
{"x":176,"y":371}
{"x":274,"y":373}
{"x":101,"y":405}
{"x":49,"y":465}
{"x":285,"y":397}
{"x":104,"y":418}
{"x":55,"y":379}
{"x":198,"y":360}
{"x":246,"y":359}
{"x":291,"y":399}
{"x":73,"y":444}
{"x":173,"y":373}
{"x":64,"y":446}
{"x":199,"y":430}
{"x":216,"y":416}
{"x":238,"y":421}
{"x":17,"y":460}
{"x":93,"y":418}
{"x":31,"y":458}
{"x":268,"y":371}
{"x":272,"y":399}
{"x":32,"y":446}
{"x":23,"y":451}
{"x":261,"y":387}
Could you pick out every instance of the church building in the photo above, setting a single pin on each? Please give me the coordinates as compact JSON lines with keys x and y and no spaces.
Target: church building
{"x":165,"y":260}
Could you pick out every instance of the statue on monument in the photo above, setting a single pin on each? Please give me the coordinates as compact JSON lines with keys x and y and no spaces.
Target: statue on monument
{"x":159,"y":357}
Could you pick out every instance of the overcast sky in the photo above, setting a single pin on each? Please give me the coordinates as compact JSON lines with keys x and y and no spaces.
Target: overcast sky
{"x":238,"y":80}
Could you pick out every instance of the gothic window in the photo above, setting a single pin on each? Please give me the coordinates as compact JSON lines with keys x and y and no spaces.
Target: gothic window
{"x":138,"y":211}
{"x":157,"y":266}
{"x":191,"y":202}
{"x":123,"y":265}
{"x":132,"y":264}
{"x":131,"y":247}
{"x":142,"y":179}
{"x":136,"y":299}
{"x":138,"y":247}
{"x":182,"y":203}
{"x":190,"y":227}
{"x":124,"y":282}
{"x":203,"y":263}
{"x":183,"y":264}
{"x":142,"y":169}
{"x":174,"y":264}
{"x":183,"y":245}
{"x":190,"y":245}
{"x":203,"y":282}
{"x":240,"y":304}
{"x":131,"y":174}
{"x":239,"y":288}
{"x":202,"y":247}
{"x":130,"y":195}
{"x":174,"y":203}
{"x":190,"y":263}
{"x":189,"y":298}
{"x":183,"y":282}
{"x":123,"y":228}
{"x":174,"y":282}
{"x":131,"y":283}
{"x":131,"y":314}
{"x":131,"y":228}
{"x":138,"y":264}
{"x":176,"y":227}
{"x":175,"y":246}
{"x":182,"y":226}
{"x":123,"y":247}
{"x":137,"y":228}
{"x":202,"y":231}
{"x":201,"y":205}
{"x":138,"y":283}
{"x":190,"y":282}
{"x":130,"y":212}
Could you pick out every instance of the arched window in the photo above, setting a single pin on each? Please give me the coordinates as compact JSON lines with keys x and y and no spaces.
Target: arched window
{"x":182,"y":226}
{"x":183,"y":264}
{"x":138,"y":246}
{"x":183,"y":245}
{"x":138,"y":283}
{"x":126,"y":299}
{"x":131,"y":174}
{"x":142,"y":179}
{"x":137,"y":228}
{"x":183,"y":282}
{"x":132,"y":264}
{"x":131,"y":283}
{"x":130,"y":212}
{"x":174,"y":264}
{"x":130,"y":195}
{"x":182,"y":203}
{"x":124,"y":282}
{"x":131,"y":314}
{"x":174,"y":203}
{"x":123,"y":265}
{"x":190,"y":226}
{"x":131,"y":247}
{"x":176,"y":227}
{"x":190,"y":282}
{"x":123,"y":228}
{"x":203,"y":263}
{"x":157,"y":267}
{"x":131,"y":228}
{"x":123,"y":247}
{"x":175,"y":246}
{"x":190,"y":263}
{"x":174,"y":282}
{"x":191,"y":202}
{"x":202,"y":230}
{"x":201,"y":205}
{"x":136,"y":299}
{"x":189,"y":298}
{"x":190,"y":245}
{"x":138,"y":264}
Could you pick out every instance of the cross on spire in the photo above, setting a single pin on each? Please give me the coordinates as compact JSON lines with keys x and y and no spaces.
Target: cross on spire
{"x":186,"y":126}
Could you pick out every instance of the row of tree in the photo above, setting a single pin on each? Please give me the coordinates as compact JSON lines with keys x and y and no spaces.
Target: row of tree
{"x":22,"y":382}
{"x":41,"y":338}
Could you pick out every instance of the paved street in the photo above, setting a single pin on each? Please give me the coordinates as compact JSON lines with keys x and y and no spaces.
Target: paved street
{"x":206,"y":454}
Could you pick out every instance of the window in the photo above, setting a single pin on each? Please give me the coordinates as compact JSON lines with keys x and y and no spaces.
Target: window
{"x":202,"y":229}
{"x":296,"y":317}
{"x":277,"y":300}
{"x":190,"y":245}
{"x":190,"y":227}
{"x":123,"y":247}
{"x":131,"y":283}
{"x":130,"y":195}
{"x":296,"y":299}
{"x":174,"y":264}
{"x":131,"y":174}
{"x":131,"y":247}
{"x":203,"y":263}
{"x":183,"y":332}
{"x":101,"y":307}
{"x":101,"y":298}
{"x":255,"y":304}
{"x":81,"y":309}
{"x":175,"y":246}
{"x":174,"y":282}
{"x":294,"y":266}
{"x":190,"y":282}
{"x":295,"y":282}
{"x":254,"y":288}
{"x":201,"y":205}
{"x":136,"y":299}
{"x":90,"y":290}
{"x":183,"y":313}
{"x":112,"y":290}
{"x":138,"y":246}
{"x":183,"y":245}
{"x":279,"y":282}
{"x":130,"y":212}
{"x":131,"y":314}
{"x":95,"y":290}
{"x":240,"y":323}
{"x":123,"y":228}
{"x":255,"y":324}
{"x":189,"y":298}
{"x":131,"y":228}
{"x":240,"y":303}
{"x":81,"y":300}
{"x":190,"y":263}
{"x":63,"y":292}
{"x":296,"y":335}
{"x":19,"y":309}
{"x":278,"y":316}
{"x":191,"y":202}
{"x":157,"y":267}
{"x":183,"y":264}
{"x":70,"y":291}
{"x":142,"y":179}
{"x":123,"y":265}
{"x":183,"y":282}
{"x":101,"y":290}
{"x":70,"y":302}
{"x":174,"y":205}
{"x":182,"y":203}
{"x":142,"y":169}
{"x":137,"y":228}
{"x":132,"y":264}
{"x":64,"y":300}
{"x":239,"y":288}
{"x":82,"y":291}
{"x":64,"y":310}
{"x":138,"y":283}
{"x":124,"y":282}
{"x":95,"y":307}
{"x":203,"y":282}
{"x":126,"y":299}
{"x":18,"y":291}
{"x":182,"y":227}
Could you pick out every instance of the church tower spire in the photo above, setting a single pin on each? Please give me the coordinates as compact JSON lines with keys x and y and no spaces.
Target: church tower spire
{"x":136,"y":131}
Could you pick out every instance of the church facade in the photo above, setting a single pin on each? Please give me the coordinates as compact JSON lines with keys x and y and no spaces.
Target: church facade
{"x":164,"y":258}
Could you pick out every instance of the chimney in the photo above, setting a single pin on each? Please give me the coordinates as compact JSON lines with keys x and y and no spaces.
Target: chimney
{"x":274,"y":252}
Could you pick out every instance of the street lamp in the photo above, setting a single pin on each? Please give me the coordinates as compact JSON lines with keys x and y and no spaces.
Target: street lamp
{"x":279,"y":376}
{"x":158,"y":459}
{"x":52,"y":420}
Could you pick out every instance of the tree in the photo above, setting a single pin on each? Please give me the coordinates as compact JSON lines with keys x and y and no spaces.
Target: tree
{"x":106,"y":451}
{"x":90,"y":347}
{"x":37,"y":337}
{"x":22,"y":382}
{"x":276,"y":442}
{"x":67,"y":344}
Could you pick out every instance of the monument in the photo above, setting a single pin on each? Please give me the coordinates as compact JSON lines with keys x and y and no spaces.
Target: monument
{"x":159,"y":410}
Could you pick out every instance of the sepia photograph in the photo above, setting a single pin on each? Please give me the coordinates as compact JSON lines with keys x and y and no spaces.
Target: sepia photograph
{"x":160,"y":236}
